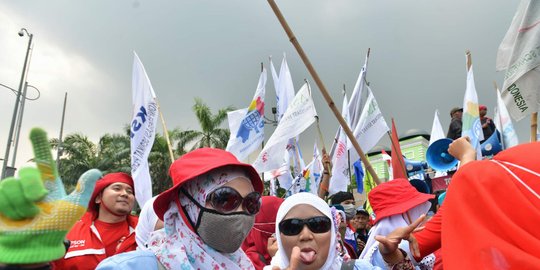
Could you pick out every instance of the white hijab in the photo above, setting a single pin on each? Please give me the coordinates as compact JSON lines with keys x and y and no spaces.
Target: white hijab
{"x":147,"y":223}
{"x":281,"y":259}
{"x":388,"y":224}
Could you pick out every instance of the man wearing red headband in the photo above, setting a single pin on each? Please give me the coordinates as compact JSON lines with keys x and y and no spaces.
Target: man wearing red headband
{"x":107,"y":228}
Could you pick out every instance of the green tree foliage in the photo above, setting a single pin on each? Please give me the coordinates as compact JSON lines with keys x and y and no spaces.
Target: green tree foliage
{"x":112,"y":152}
{"x":211,"y":134}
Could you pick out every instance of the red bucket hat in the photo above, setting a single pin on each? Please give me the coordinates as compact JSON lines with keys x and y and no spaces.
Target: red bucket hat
{"x":104,"y":182}
{"x":395,"y":197}
{"x":196,"y":163}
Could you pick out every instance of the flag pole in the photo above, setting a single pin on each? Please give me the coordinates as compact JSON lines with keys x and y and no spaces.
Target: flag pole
{"x":165,"y":131}
{"x":323,"y":90}
{"x":499,"y":111}
{"x":469,"y":59}
{"x":534,"y":126}
{"x":325,"y":181}
{"x":349,"y":151}
{"x":59,"y":147}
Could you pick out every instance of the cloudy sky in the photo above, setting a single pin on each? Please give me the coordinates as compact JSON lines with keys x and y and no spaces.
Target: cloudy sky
{"x":213,"y":50}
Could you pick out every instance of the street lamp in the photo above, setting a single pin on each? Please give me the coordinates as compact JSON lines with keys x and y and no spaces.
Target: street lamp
{"x":16,"y":109}
{"x":19,"y":119}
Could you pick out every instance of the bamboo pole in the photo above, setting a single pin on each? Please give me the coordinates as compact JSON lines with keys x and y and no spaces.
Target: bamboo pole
{"x":325,"y":181}
{"x":323,"y":90}
{"x":165,"y":131}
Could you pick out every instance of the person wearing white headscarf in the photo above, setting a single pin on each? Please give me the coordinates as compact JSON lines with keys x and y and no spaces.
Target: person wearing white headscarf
{"x":333,"y":261}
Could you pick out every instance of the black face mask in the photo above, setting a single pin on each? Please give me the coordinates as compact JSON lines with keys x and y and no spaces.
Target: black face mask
{"x":223,"y":232}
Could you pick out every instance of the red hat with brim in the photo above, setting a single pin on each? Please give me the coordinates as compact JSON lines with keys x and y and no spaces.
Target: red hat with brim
{"x":107,"y":180}
{"x":395,"y":197}
{"x":196,"y":163}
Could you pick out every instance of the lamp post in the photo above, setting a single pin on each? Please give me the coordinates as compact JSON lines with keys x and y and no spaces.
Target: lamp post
{"x":16,"y":109}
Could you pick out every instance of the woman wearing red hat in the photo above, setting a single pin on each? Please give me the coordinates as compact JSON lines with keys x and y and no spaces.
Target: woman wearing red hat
{"x":396,"y":204}
{"x":107,"y":228}
{"x":207,"y":214}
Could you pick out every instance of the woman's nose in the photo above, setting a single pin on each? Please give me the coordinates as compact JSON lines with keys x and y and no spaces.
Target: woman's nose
{"x":306,"y":234}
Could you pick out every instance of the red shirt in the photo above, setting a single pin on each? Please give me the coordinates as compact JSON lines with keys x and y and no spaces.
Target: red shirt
{"x":93,"y":241}
{"x":112,"y":234}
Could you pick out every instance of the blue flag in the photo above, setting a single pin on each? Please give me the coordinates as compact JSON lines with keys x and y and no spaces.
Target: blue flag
{"x":359,"y":175}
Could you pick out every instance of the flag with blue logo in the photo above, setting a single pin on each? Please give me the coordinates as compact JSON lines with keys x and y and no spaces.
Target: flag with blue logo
{"x":471,"y":115}
{"x":247,"y":132}
{"x":504,"y":124}
{"x":143,"y":130}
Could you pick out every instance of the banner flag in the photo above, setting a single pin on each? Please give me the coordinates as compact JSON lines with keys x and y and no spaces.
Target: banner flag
{"x":371,"y":126}
{"x":472,"y":126}
{"x":437,"y":131}
{"x":340,"y":169}
{"x":248,"y":135}
{"x":143,"y":130}
{"x":398,"y":163}
{"x":299,"y":115}
{"x":284,"y":87}
{"x":504,"y":124}
{"x":519,"y":55}
{"x":359,"y":175}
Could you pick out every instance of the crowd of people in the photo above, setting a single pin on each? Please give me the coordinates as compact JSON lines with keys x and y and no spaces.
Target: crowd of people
{"x":216,"y":217}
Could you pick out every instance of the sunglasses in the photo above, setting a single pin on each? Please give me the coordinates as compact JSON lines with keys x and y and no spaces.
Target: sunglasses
{"x":227,"y":199}
{"x":294,"y":226}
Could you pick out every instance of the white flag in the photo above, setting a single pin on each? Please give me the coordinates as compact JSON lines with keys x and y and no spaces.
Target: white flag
{"x":519,"y":55}
{"x":340,"y":171}
{"x":248,"y":135}
{"x":371,"y":126}
{"x":471,"y":115}
{"x":143,"y":130}
{"x":356,"y":100}
{"x":299,"y":115}
{"x":284,"y":87}
{"x":504,"y":124}
{"x":437,"y":131}
{"x":315,"y":171}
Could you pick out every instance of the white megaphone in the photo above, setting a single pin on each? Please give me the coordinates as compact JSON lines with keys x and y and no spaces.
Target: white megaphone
{"x":437,"y":155}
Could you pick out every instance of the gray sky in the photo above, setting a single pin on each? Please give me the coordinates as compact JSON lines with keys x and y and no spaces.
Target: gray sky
{"x":213,"y":49}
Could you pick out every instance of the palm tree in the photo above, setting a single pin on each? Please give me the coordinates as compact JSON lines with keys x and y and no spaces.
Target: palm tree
{"x":159,"y":162}
{"x":211,"y":134}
